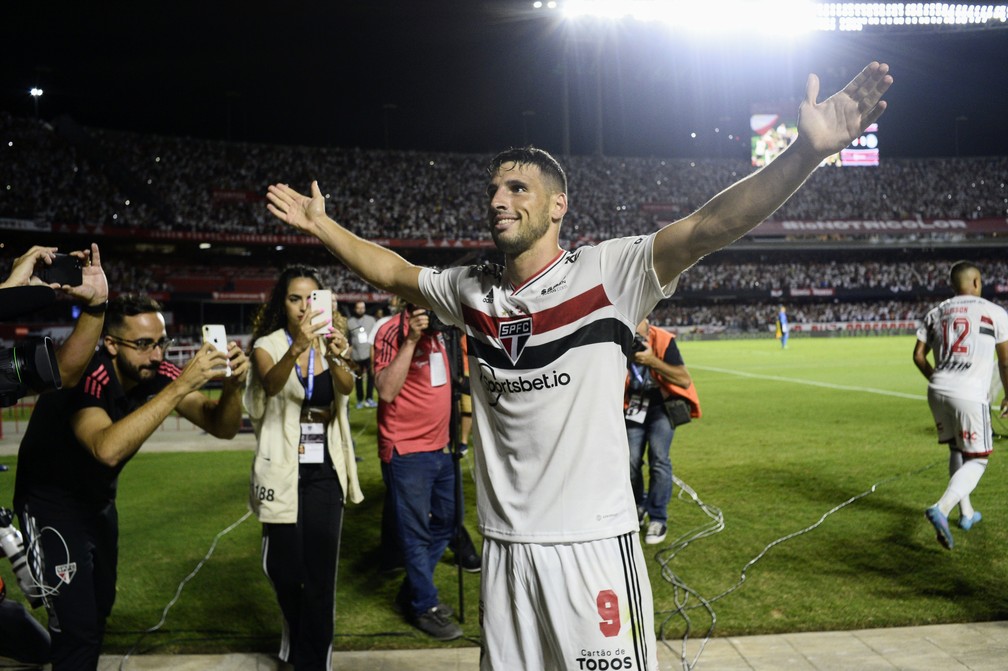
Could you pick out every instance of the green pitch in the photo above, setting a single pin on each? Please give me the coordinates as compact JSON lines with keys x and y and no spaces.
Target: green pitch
{"x":786,"y":437}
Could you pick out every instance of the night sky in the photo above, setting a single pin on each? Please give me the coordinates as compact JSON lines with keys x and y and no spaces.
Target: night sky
{"x":474,"y":76}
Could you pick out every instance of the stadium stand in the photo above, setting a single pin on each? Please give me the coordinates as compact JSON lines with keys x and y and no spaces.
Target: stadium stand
{"x":184,"y":219}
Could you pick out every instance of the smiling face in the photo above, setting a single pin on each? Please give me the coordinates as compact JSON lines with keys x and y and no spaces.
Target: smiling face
{"x":296,"y":302}
{"x":133,"y":366}
{"x":523,"y":209}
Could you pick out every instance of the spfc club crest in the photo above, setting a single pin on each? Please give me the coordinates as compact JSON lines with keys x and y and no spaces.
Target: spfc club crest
{"x":66,"y":572}
{"x":513,"y":335}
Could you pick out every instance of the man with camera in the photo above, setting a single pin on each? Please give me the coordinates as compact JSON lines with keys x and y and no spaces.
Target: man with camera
{"x":77,"y":442}
{"x":413,"y":378}
{"x":659,"y":396}
{"x":79,"y":275}
{"x":35,"y":277}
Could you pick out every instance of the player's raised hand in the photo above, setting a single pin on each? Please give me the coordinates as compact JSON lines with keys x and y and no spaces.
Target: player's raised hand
{"x":300,"y":211}
{"x":831,"y":125}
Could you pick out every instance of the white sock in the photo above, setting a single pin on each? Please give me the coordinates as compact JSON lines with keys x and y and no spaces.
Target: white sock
{"x":963,"y":482}
{"x":955,"y":463}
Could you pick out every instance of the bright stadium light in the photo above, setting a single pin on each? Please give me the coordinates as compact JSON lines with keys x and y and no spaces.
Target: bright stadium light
{"x":707,"y":16}
{"x":792,"y":16}
{"x":36,"y":93}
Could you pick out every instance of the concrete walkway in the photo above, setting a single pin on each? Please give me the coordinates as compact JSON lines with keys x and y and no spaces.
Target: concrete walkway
{"x":953,"y":647}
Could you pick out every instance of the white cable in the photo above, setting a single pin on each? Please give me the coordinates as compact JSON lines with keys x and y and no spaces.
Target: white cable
{"x":682,"y":591}
{"x":44,"y":590}
{"x":178,"y":592}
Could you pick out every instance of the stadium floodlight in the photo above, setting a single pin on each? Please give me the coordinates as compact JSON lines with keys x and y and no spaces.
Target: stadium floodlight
{"x":36,"y":93}
{"x":796,"y":16}
{"x":856,"y":16}
{"x":700,"y":15}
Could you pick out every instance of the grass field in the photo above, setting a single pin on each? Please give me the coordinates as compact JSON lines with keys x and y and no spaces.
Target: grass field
{"x":786,"y":437}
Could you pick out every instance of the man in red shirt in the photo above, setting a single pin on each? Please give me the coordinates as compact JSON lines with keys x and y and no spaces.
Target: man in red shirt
{"x":412,"y":376}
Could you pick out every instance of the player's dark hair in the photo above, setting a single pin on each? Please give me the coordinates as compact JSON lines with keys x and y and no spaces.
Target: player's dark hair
{"x":548,"y":166}
{"x":959,"y":275}
{"x":128,"y":305}
{"x":272,"y":314}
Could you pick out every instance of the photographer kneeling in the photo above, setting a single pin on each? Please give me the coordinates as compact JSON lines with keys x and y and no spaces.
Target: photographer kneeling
{"x":77,"y":442}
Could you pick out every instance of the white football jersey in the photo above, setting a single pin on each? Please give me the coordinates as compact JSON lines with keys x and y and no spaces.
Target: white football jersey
{"x":961,"y":333}
{"x":547,"y":363}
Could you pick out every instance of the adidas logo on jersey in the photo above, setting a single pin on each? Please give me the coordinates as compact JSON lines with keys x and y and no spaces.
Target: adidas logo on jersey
{"x":489,"y":298}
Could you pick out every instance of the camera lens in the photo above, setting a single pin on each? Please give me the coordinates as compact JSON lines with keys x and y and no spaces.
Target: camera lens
{"x":28,"y":366}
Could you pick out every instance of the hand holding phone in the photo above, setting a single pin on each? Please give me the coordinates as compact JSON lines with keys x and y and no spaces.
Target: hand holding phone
{"x":321,"y":299}
{"x":216,"y":335}
{"x":65,"y":270}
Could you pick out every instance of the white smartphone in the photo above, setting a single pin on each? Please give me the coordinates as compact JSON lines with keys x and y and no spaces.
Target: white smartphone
{"x":216,"y":335}
{"x":321,"y":299}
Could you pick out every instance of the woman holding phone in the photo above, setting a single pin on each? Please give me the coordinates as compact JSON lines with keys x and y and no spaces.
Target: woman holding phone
{"x":304,"y":468}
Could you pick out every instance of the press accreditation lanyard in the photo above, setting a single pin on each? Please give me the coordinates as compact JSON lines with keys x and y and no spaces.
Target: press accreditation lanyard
{"x":311,"y":447}
{"x":309,"y":382}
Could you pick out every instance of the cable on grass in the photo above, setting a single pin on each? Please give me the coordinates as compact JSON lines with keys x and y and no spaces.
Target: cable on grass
{"x":683,"y":592}
{"x":181,"y":586}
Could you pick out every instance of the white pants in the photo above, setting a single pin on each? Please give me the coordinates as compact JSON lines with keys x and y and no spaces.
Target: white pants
{"x":572,"y":606}
{"x":968,"y":423}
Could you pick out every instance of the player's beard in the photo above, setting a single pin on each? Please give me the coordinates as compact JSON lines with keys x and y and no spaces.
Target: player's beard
{"x":136,"y":373}
{"x":521,"y":236}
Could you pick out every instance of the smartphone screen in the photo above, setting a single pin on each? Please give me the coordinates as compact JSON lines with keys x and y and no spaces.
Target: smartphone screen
{"x":216,"y":335}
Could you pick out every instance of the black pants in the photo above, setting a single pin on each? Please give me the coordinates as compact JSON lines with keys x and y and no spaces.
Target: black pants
{"x":301,"y":561}
{"x":365,"y":372}
{"x":22,"y":638}
{"x":84,"y":597}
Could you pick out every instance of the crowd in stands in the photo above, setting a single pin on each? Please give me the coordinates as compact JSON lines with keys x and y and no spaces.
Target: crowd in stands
{"x":903,"y":280}
{"x":64,"y":175}
{"x":145,"y":181}
{"x":894,"y":276}
{"x":759,"y":317}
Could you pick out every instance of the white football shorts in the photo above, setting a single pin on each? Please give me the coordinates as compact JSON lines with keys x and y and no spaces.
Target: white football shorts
{"x":968,"y":423}
{"x":567,"y":606}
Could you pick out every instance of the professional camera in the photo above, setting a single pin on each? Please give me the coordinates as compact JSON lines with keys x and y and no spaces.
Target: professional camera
{"x":12,"y":545}
{"x":639,"y":343}
{"x":30,"y":366}
{"x":434,"y":325}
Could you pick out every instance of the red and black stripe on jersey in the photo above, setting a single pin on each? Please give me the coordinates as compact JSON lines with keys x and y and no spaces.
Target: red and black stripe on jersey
{"x":486,"y":328}
{"x":986,"y":326}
